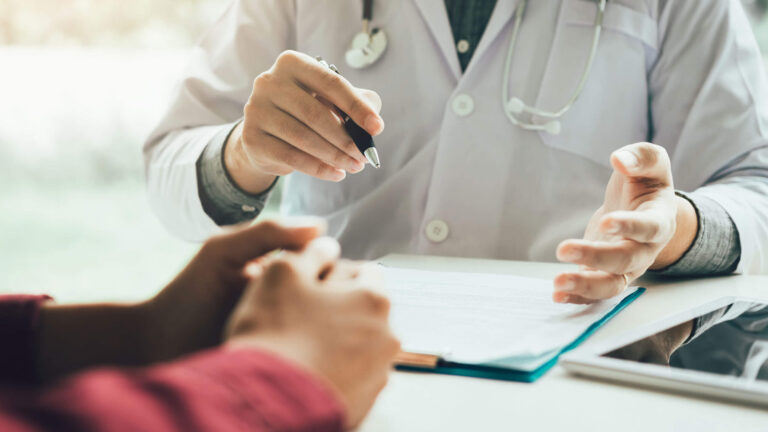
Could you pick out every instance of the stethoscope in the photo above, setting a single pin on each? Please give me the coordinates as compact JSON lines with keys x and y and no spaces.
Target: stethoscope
{"x":369,"y":45}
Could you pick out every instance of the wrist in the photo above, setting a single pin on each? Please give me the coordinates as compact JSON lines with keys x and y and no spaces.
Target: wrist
{"x":240,"y":170}
{"x":156,"y":324}
{"x":687,"y":225}
{"x":72,"y":338}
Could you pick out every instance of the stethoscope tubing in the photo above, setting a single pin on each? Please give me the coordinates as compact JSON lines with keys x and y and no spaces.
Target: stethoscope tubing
{"x":579,"y":88}
{"x":513,"y":105}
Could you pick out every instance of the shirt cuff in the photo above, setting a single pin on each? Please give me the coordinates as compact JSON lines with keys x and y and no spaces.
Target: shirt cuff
{"x":222,"y":199}
{"x":716,"y":249}
{"x":19,"y":319}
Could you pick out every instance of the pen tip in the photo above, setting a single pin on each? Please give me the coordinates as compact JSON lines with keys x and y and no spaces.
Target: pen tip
{"x":373,"y":157}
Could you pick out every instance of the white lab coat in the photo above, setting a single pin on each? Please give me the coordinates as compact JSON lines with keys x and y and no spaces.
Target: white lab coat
{"x":683,"y":74}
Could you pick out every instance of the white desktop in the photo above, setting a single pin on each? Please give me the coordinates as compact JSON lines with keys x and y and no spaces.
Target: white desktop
{"x":560,"y":401}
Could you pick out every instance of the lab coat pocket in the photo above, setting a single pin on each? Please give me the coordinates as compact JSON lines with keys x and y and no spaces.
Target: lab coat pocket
{"x":612,"y":110}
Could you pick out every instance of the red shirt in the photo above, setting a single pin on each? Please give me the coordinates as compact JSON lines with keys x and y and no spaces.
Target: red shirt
{"x":217,"y":390}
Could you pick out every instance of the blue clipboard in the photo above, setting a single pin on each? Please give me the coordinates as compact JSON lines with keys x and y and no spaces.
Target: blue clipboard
{"x":506,"y":374}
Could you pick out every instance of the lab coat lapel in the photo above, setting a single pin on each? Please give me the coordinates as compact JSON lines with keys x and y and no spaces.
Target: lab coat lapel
{"x":434,"y":14}
{"x":502,"y":14}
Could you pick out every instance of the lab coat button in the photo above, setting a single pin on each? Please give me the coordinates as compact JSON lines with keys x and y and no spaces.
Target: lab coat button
{"x":463,"y":105}
{"x":437,"y":231}
{"x":462,"y":47}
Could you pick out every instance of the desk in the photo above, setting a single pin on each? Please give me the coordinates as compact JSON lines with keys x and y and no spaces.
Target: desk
{"x":559,"y":401}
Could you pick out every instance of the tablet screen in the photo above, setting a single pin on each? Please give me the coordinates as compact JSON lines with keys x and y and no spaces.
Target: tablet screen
{"x":732,"y":340}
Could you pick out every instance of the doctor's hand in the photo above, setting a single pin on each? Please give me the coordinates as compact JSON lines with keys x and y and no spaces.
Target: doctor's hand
{"x":324,"y":315}
{"x":641,"y":225}
{"x":291,"y":123}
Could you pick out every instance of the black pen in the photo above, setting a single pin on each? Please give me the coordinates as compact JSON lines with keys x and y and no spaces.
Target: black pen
{"x":363,"y":140}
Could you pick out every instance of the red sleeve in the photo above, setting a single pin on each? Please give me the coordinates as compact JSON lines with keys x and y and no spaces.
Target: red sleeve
{"x":18,"y":326}
{"x":214,"y":391}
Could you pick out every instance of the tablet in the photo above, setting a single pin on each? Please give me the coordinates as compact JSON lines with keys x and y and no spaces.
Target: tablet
{"x":717,"y":351}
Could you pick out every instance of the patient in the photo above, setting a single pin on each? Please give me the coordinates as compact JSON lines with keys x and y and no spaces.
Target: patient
{"x":242,"y":339}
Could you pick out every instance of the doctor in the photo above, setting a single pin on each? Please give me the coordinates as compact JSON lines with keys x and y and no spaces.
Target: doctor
{"x":511,"y":126}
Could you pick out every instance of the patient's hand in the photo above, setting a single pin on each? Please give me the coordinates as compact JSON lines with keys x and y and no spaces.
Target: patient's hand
{"x":323,"y":315}
{"x":190,"y":313}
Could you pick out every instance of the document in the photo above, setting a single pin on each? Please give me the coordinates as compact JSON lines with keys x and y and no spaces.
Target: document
{"x":489,"y":319}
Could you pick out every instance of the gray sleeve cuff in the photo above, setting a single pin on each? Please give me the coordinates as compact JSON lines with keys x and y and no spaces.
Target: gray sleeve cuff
{"x":222,"y":199}
{"x":715,"y":250}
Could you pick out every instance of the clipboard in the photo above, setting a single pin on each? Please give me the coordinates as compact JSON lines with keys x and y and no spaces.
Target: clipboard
{"x":429,"y":363}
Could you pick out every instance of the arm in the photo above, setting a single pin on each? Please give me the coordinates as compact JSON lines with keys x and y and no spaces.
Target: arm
{"x":715,"y":248}
{"x":222,"y":198}
{"x":187,"y":316}
{"x":711,"y":131}
{"x":242,"y":44}
{"x":708,"y":89}
{"x":327,"y":335}
{"x":289,"y":123}
{"x":218,"y":390}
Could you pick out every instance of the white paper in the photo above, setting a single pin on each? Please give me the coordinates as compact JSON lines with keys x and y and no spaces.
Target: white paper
{"x":483,"y":318}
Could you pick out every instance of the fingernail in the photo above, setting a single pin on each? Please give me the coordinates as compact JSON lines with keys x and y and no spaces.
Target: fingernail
{"x":613,"y":228}
{"x":373,"y":124}
{"x":339,"y":175}
{"x":327,"y":245}
{"x":628,"y":159}
{"x":563,"y":299}
{"x":355,"y":166}
{"x":568,"y":285}
{"x":573,"y":254}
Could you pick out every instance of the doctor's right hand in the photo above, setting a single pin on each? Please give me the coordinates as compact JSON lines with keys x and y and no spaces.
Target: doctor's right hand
{"x":291,"y":123}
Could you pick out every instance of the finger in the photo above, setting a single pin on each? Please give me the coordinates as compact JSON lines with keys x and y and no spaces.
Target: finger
{"x":648,"y":163}
{"x":320,"y":256}
{"x":289,"y":158}
{"x":247,"y":244}
{"x":591,"y":285}
{"x":641,"y":226}
{"x":319,"y":116}
{"x":560,"y":297}
{"x":287,"y":128}
{"x":623,"y":256}
{"x":337,"y":90}
{"x":371,"y":277}
{"x":375,"y":303}
{"x":372,"y":97}
{"x":344,"y":271}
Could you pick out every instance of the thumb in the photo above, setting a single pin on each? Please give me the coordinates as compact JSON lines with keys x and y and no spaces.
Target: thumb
{"x":250,"y":243}
{"x":645,"y":161}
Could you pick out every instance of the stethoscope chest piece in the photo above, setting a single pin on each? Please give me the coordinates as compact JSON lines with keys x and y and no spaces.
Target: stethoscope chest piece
{"x":367,"y":48}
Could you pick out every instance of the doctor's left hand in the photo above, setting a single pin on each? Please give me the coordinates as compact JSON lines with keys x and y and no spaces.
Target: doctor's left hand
{"x":641,"y":225}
